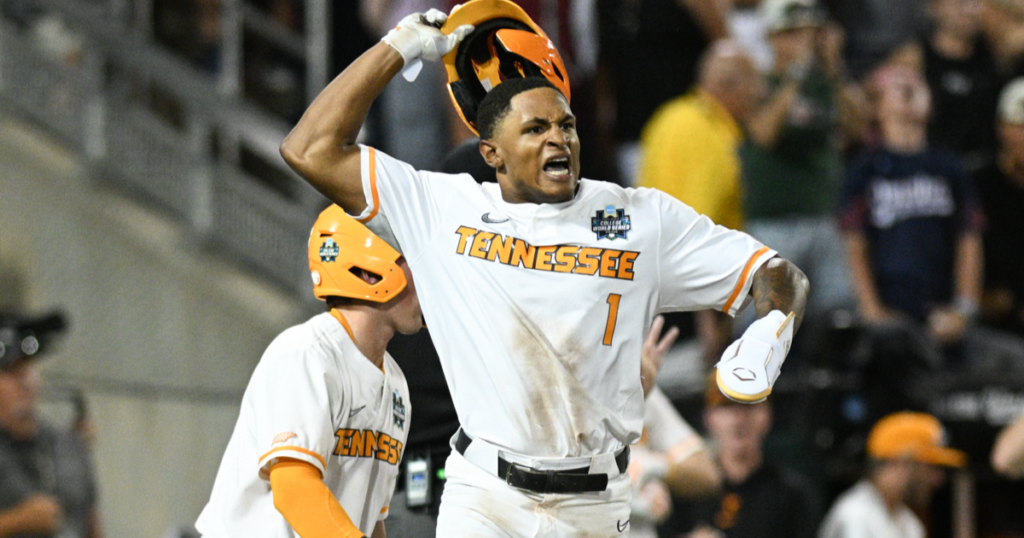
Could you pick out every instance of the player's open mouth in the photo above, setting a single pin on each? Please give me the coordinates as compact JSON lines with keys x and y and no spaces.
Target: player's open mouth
{"x":558,"y":168}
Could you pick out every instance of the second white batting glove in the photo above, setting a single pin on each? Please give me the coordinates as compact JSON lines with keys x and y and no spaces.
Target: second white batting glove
{"x":750,"y":366}
{"x":419,"y":36}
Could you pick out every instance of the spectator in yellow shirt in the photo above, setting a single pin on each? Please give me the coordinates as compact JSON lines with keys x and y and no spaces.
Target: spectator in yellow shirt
{"x":690,"y":145}
{"x":690,"y":150}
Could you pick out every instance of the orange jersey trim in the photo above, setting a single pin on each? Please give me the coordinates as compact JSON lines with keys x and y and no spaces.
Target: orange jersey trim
{"x":296,"y":449}
{"x":373,"y":187}
{"x":344,"y":322}
{"x":385,"y":509}
{"x":743,"y":278}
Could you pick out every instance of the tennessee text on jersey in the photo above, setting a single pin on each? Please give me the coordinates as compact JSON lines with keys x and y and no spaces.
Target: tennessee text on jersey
{"x":508,"y":250}
{"x":368,"y":444}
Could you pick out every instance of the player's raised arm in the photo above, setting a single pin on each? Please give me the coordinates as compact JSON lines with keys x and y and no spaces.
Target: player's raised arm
{"x":322,"y":146}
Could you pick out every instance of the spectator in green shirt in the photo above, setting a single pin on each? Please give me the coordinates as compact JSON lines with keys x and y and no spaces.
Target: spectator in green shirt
{"x":792,"y":161}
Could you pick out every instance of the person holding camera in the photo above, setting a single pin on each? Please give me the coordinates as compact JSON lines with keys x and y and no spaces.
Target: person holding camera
{"x":47,"y":485}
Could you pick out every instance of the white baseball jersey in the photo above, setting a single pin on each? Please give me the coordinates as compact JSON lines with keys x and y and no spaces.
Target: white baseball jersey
{"x":860,"y":512}
{"x":313,"y":397}
{"x":539,"y":311}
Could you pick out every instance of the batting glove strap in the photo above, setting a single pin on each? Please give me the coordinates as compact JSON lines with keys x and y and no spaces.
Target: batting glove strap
{"x":750,"y":366}
{"x":419,"y":36}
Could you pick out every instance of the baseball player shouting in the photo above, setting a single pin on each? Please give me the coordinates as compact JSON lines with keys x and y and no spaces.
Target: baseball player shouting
{"x":319,"y":438}
{"x":537,"y":289}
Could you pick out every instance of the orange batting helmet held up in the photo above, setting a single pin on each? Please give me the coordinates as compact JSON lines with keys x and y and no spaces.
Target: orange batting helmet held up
{"x":339,"y":246}
{"x":504,"y":44}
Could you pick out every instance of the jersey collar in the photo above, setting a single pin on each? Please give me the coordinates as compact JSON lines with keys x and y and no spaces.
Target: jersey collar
{"x":527,"y":210}
{"x":344,"y":323}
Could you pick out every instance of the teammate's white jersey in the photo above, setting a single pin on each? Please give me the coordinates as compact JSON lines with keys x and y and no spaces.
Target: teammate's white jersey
{"x":539,"y":311}
{"x":668,"y":432}
{"x":313,"y":397}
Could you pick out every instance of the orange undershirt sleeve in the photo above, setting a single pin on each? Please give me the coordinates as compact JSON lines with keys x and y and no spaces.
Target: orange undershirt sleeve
{"x":306,"y":503}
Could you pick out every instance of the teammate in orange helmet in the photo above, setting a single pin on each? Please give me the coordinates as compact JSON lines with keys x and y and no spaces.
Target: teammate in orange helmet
{"x":324,"y":419}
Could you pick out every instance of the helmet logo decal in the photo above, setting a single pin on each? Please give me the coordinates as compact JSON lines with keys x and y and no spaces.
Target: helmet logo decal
{"x":328,"y":251}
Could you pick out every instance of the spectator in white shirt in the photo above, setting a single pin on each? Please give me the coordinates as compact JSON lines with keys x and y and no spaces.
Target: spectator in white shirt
{"x":906,"y":451}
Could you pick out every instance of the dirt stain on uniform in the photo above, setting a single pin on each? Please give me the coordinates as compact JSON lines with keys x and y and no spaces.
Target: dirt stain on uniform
{"x":562,"y":416}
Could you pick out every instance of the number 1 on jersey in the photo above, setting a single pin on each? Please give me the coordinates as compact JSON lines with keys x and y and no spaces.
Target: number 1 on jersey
{"x":613,"y":314}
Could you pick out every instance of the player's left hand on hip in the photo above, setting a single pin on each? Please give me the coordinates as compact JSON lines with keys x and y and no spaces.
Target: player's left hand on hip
{"x":419,"y":36}
{"x":750,"y":366}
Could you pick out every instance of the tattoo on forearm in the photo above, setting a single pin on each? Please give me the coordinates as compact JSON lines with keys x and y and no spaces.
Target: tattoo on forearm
{"x":780,"y":285}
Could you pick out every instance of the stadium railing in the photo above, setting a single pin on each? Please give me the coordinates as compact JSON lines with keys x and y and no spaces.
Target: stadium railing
{"x":171,"y":134}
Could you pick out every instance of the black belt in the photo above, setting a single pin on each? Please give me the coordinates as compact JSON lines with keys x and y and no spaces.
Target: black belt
{"x":578,"y":480}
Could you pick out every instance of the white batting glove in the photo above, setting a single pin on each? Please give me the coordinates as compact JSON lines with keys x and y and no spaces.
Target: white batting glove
{"x":419,"y":36}
{"x":750,"y":366}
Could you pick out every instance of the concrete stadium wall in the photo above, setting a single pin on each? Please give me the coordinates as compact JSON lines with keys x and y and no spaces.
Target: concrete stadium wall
{"x":163,"y":335}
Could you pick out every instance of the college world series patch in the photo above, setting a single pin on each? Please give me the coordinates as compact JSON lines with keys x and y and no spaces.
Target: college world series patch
{"x":329,"y":251}
{"x":398,"y":410}
{"x":610,"y":223}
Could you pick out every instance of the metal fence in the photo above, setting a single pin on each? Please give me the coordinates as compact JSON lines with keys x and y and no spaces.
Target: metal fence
{"x":178,"y":137}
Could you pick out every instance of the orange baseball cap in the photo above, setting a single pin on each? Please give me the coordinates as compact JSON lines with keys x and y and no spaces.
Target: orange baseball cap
{"x":916,"y":436}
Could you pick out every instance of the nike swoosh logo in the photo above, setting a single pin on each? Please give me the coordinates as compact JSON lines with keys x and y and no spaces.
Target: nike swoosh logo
{"x":486,"y":217}
{"x":621,"y":526}
{"x":353,"y":412}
